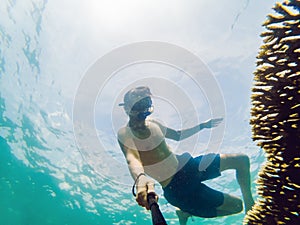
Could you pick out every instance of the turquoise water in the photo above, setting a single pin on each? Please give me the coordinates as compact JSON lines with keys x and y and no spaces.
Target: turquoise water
{"x":44,"y":178}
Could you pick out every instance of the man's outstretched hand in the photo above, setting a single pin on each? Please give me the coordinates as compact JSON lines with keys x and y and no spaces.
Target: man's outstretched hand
{"x":212,"y":123}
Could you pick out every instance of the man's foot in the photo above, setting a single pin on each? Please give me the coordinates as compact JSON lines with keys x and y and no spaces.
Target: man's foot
{"x":182,"y":216}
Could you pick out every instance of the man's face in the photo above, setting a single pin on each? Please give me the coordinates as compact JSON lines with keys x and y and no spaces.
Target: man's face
{"x":141,"y":109}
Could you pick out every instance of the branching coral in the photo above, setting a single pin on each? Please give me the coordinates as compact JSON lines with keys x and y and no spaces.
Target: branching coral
{"x":276,"y":118}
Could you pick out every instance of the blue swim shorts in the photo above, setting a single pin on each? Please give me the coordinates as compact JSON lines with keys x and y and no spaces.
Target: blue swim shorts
{"x":186,"y":190}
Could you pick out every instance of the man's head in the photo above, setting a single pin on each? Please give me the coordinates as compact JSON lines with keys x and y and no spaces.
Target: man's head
{"x":138,"y":103}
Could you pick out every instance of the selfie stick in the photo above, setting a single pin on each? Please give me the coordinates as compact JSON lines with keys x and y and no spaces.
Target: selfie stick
{"x":157,"y":216}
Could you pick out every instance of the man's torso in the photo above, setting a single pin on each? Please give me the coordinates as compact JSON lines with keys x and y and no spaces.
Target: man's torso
{"x":158,"y":160}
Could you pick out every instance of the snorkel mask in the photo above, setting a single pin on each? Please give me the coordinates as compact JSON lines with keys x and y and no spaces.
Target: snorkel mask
{"x":142,"y":108}
{"x":138,"y":103}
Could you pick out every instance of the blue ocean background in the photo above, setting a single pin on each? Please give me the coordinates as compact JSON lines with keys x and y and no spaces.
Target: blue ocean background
{"x":45,"y":48}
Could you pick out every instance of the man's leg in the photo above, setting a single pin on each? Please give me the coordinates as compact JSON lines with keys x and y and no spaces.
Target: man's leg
{"x":241,"y":164}
{"x":182,"y":216}
{"x":231,"y":205}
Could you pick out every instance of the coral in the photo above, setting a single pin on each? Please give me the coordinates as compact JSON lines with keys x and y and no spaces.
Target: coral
{"x":276,"y":118}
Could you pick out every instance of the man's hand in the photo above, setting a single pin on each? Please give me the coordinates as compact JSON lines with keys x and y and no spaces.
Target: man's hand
{"x":212,"y":123}
{"x":144,"y":186}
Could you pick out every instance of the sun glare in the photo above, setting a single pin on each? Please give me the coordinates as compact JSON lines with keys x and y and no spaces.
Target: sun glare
{"x":114,"y":13}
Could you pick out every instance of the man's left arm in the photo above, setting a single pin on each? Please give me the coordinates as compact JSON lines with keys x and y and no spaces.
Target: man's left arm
{"x":178,"y":135}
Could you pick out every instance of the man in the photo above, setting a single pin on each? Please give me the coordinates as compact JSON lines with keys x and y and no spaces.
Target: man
{"x":181,"y":177}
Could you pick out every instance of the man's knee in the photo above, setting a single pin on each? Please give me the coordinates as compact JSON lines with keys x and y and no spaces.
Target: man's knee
{"x":234,"y":161}
{"x":238,"y":206}
{"x":231,"y":205}
{"x":243,"y":161}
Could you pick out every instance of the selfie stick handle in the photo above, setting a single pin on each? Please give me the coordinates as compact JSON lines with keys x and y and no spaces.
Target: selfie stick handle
{"x":157,"y":217}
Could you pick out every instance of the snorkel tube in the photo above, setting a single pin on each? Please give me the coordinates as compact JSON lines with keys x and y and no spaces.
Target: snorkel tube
{"x":157,"y":217}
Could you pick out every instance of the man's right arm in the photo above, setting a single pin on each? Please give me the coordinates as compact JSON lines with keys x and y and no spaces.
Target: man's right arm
{"x":144,"y":184}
